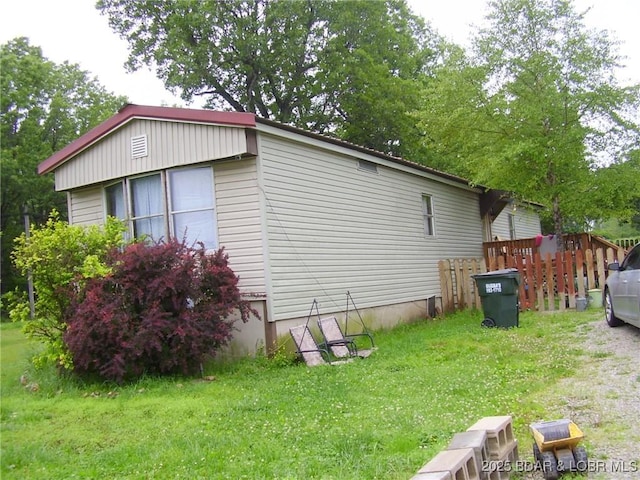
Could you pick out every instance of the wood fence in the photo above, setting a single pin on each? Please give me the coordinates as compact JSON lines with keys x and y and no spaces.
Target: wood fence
{"x":550,"y":283}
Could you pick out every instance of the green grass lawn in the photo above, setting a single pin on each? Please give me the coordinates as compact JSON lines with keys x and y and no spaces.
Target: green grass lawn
{"x":382,"y":417}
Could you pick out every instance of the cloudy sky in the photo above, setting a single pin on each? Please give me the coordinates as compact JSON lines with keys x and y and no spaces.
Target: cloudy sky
{"x":74,"y":30}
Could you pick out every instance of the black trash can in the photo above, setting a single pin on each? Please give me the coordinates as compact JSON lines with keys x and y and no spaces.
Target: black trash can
{"x":498,"y":292}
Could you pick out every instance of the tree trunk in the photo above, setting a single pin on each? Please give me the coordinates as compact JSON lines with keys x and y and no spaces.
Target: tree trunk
{"x":557,"y":223}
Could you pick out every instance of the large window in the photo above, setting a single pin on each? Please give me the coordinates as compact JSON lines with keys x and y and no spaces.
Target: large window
{"x":179,"y":203}
{"x":427,"y":213}
{"x":192,"y":206}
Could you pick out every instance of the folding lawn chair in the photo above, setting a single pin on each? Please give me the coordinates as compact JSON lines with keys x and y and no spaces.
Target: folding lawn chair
{"x":340,"y":345}
{"x":308,"y":349}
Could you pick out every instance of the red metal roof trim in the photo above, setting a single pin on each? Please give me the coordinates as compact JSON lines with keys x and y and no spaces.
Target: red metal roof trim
{"x":130,"y":111}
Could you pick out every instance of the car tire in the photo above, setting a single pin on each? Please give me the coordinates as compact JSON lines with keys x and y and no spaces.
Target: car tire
{"x":610,"y":315}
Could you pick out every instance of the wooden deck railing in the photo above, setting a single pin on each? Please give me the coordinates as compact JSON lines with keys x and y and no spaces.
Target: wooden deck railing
{"x":528,"y":246}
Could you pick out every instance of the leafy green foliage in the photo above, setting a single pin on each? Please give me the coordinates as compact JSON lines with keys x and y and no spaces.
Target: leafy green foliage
{"x":60,"y":258}
{"x":163,"y":309}
{"x":618,"y":190}
{"x":536,"y":111}
{"x":351,"y":68}
{"x":43,"y":107}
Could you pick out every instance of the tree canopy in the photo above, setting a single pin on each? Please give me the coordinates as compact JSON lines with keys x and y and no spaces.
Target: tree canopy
{"x":536,"y":110}
{"x":43,"y":107}
{"x":348,"y":68}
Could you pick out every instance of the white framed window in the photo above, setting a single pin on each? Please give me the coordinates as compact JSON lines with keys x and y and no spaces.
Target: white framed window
{"x":192,"y":209}
{"x":147,"y":207}
{"x":428,"y":215}
{"x":177,"y":203}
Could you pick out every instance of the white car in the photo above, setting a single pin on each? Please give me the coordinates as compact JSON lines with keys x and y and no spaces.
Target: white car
{"x":622,"y":291}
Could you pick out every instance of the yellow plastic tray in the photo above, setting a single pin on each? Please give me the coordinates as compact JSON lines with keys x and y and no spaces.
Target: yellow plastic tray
{"x":575,"y":436}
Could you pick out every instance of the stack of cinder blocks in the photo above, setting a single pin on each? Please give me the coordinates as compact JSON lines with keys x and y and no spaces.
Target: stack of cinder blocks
{"x":484,"y":452}
{"x":501,"y":443}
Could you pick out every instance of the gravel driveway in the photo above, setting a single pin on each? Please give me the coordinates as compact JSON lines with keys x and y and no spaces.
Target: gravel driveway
{"x":603,"y":399}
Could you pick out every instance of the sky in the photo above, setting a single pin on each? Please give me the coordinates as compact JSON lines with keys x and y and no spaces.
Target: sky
{"x":74,"y":31}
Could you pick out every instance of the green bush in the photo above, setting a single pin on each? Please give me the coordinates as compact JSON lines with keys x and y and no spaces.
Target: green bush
{"x":59,"y":257}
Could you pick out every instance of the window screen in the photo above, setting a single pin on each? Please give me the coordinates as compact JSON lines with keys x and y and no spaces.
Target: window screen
{"x":147,"y":207}
{"x":192,"y":206}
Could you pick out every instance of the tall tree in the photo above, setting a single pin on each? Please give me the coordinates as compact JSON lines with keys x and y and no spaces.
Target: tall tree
{"x":350,"y":68}
{"x":536,"y":110}
{"x":43,"y":107}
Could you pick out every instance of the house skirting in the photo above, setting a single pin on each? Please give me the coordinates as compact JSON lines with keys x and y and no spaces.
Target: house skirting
{"x":261,"y":335}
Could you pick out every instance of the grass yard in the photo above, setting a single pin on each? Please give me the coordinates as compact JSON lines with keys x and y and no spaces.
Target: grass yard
{"x":378,"y":418}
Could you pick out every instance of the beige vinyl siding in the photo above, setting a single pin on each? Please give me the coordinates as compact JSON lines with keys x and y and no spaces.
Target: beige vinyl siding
{"x":500,"y":226}
{"x":527,"y":223}
{"x":333,"y":228}
{"x":86,"y":206}
{"x":239,"y":221}
{"x":170,"y":144}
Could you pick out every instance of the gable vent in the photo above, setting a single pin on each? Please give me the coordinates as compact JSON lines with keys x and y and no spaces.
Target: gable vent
{"x":139,"y":146}
{"x":367,"y":166}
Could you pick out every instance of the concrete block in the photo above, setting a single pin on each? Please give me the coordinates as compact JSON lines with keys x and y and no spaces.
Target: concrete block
{"x":432,"y":476}
{"x":513,"y":455}
{"x":477,"y":440}
{"x":502,"y":468}
{"x":500,"y":436}
{"x":460,"y":463}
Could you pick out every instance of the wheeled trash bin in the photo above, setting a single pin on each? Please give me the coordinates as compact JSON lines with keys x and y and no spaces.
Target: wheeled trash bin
{"x":498,"y":292}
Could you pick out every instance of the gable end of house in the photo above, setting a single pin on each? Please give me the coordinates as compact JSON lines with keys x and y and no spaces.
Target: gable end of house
{"x":132,"y":112}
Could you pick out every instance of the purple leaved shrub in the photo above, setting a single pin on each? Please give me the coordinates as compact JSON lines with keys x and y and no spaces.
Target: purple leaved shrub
{"x":164,"y":309}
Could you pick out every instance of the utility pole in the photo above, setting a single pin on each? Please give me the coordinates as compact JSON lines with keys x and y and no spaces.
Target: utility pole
{"x":32,"y":302}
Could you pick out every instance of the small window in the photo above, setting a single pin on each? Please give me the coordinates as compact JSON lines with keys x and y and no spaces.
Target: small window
{"x":139,"y":146}
{"x":116,"y":206}
{"x":367,"y":166}
{"x":427,"y":213}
